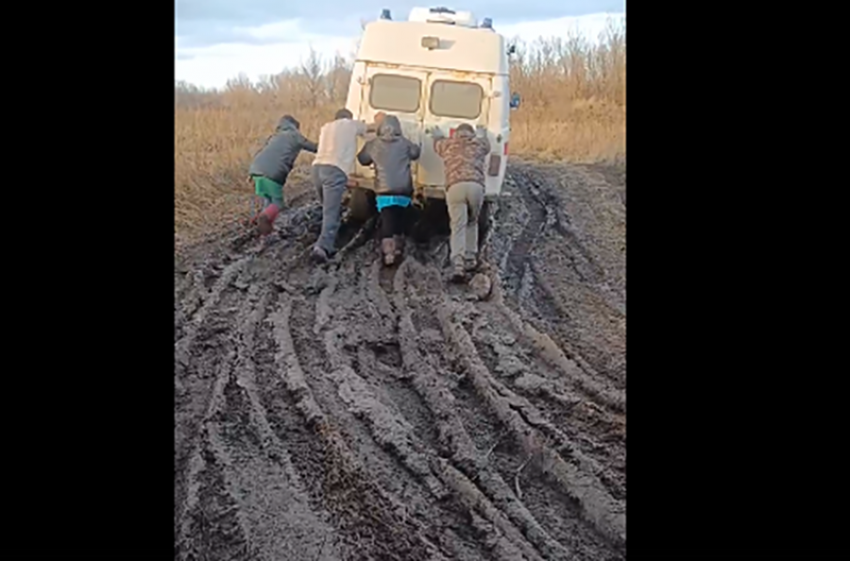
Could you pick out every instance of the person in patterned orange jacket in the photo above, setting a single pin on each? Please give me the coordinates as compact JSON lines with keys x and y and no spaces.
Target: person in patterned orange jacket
{"x":464,"y":156}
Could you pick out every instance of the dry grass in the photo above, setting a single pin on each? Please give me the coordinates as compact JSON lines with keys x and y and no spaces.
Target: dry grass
{"x":573,"y":108}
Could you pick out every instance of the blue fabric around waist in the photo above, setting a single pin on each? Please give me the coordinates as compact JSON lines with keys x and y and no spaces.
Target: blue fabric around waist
{"x":383,"y":201}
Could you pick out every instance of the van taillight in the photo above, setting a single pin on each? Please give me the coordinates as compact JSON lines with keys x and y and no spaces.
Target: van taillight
{"x":506,"y":148}
{"x":451,"y":133}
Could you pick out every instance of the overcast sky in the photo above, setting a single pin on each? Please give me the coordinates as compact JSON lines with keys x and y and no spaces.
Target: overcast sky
{"x":215,"y":40}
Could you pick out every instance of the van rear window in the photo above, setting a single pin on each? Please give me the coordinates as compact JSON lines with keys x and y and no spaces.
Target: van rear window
{"x":391,"y":92}
{"x":461,"y":100}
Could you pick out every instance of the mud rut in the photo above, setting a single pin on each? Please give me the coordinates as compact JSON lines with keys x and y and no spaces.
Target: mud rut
{"x":354,"y":412}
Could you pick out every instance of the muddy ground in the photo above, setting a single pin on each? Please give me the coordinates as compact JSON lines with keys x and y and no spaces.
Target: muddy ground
{"x":355,"y":412}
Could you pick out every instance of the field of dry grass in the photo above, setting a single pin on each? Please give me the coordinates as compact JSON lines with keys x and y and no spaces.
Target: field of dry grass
{"x":573,"y":108}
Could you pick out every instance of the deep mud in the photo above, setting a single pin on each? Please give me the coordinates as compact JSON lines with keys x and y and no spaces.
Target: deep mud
{"x":355,"y":412}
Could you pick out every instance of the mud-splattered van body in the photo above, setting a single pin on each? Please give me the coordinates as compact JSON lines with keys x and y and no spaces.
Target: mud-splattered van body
{"x":438,"y":69}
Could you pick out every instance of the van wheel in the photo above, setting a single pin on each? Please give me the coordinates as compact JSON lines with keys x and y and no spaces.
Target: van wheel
{"x":485,"y":220}
{"x":361,"y":205}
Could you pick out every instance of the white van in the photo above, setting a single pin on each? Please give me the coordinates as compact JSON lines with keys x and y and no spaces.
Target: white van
{"x":438,"y":68}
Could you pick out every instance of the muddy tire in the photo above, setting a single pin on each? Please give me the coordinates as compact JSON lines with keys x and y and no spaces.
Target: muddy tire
{"x":485,"y":219}
{"x":361,"y":205}
{"x":430,"y":221}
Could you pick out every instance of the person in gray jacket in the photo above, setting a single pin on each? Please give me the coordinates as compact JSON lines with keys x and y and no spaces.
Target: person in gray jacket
{"x":391,"y":154}
{"x":272,"y":165}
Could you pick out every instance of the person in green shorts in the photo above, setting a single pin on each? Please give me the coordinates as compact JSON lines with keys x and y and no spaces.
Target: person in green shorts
{"x":270,"y":191}
{"x":272,"y":165}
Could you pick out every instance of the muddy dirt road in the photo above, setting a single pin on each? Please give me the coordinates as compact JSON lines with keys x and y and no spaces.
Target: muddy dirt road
{"x":353,"y":412}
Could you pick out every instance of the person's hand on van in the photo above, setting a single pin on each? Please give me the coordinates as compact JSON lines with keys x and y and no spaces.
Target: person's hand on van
{"x":373,"y":127}
{"x":436,"y":132}
{"x":481,"y":131}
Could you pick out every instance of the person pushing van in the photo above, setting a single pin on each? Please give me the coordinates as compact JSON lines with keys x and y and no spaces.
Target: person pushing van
{"x":272,"y":165}
{"x":464,"y":156}
{"x":391,"y":153}
{"x":333,"y":162}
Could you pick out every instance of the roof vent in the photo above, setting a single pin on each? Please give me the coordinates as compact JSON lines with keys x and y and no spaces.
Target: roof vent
{"x":385,"y":14}
{"x":487,"y":23}
{"x":443,"y":16}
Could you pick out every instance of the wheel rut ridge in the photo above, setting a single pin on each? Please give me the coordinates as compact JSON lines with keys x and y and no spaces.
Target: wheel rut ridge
{"x":537,"y":188}
{"x":579,"y":482}
{"x":208,"y":520}
{"x":585,"y":423}
{"x":183,"y":347}
{"x":382,"y":353}
{"x":544,"y":208}
{"x":521,"y":248}
{"x":393,"y":433}
{"x":196,"y":397}
{"x":369,"y":519}
{"x":391,"y":430}
{"x":560,"y":355}
{"x":273,"y":493}
{"x":462,"y":451}
{"x":211,"y":525}
{"x":491,"y":530}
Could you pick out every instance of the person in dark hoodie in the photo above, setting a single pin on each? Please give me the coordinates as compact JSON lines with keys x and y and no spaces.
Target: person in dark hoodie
{"x":391,"y":154}
{"x":272,"y":165}
{"x":464,"y":156}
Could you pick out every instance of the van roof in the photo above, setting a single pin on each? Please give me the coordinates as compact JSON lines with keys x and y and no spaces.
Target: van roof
{"x":461,"y":48}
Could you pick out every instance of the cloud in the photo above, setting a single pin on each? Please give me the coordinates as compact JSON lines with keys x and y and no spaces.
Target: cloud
{"x":588,"y":26}
{"x":288,"y":31}
{"x":213,"y":66}
{"x":217,"y":40}
{"x":207,"y":22}
{"x":256,"y":11}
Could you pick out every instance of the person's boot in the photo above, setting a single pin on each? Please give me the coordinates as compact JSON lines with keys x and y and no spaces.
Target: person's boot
{"x":388,"y":248}
{"x":267,"y":218}
{"x":319,"y":255}
{"x":399,"y":247}
{"x":458,"y":272}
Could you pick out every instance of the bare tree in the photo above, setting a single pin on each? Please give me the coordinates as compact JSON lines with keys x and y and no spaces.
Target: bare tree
{"x":312,"y":72}
{"x":241,"y":82}
{"x":337,"y":77}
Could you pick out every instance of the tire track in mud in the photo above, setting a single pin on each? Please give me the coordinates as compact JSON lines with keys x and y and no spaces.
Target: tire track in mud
{"x":531,"y":430}
{"x":396,"y":434}
{"x":352,"y":411}
{"x":209,"y":524}
{"x":206,"y":493}
{"x":456,"y":442}
{"x":530,"y":284}
{"x":585,"y":425}
{"x":249,"y":468}
{"x":374,"y":404}
{"x":199,"y":378}
{"x":361,"y":508}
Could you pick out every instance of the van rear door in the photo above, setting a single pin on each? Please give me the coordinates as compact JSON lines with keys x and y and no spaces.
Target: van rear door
{"x":397,"y":91}
{"x":452,"y":98}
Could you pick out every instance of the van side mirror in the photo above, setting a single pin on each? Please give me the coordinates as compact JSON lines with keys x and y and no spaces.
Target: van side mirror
{"x":515,"y":99}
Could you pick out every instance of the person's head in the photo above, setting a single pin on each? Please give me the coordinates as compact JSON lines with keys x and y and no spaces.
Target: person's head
{"x":288,"y":122}
{"x":343,"y":114}
{"x":465,"y":130}
{"x":390,"y":127}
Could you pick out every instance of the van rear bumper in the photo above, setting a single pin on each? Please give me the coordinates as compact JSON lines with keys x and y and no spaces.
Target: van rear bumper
{"x":421,"y":191}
